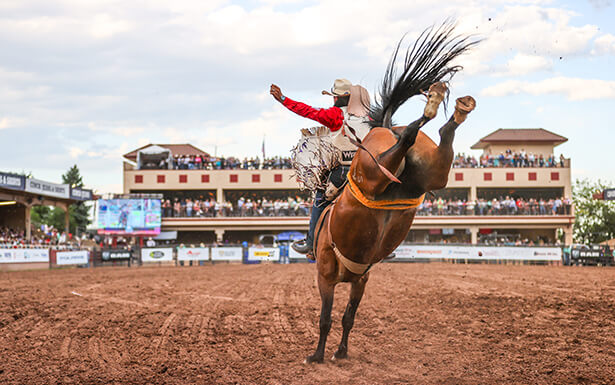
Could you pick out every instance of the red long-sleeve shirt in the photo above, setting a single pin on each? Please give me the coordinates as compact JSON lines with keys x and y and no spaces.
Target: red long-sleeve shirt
{"x":332,"y":117}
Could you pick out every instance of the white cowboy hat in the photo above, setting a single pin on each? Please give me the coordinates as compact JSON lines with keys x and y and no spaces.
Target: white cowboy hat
{"x":341,"y":87}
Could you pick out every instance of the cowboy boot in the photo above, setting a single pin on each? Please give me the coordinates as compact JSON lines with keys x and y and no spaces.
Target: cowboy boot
{"x":463,"y":107}
{"x":434,"y":98}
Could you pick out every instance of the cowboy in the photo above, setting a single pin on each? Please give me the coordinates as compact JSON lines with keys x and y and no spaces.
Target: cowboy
{"x":336,"y":119}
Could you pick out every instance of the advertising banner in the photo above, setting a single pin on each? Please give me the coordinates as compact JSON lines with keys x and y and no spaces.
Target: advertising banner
{"x":80,"y":194}
{"x":263,"y":254}
{"x":13,"y":182}
{"x":24,"y":255}
{"x":193,"y":254}
{"x":72,"y":257}
{"x":477,"y":252}
{"x":609,"y":194}
{"x":227,"y":254}
{"x":156,"y":255}
{"x":116,"y":255}
{"x":36,"y":186}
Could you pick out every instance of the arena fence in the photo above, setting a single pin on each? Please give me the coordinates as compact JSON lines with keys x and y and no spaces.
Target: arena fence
{"x":193,"y":256}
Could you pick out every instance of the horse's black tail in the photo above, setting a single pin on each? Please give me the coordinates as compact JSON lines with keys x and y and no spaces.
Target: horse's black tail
{"x":426,"y":62}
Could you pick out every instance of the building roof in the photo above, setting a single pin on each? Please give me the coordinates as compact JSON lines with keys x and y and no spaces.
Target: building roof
{"x":520,"y":135}
{"x":176,"y":149}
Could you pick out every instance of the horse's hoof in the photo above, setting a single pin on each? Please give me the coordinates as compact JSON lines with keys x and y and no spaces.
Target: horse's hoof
{"x":339,"y":355}
{"x":313,"y":359}
{"x":463,"y":107}
{"x":434,"y":98}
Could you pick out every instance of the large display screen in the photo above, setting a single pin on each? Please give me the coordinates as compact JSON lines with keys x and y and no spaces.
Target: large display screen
{"x":129,"y":216}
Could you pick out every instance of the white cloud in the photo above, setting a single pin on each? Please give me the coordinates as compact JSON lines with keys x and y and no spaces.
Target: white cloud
{"x":572,"y":88}
{"x":523,"y":64}
{"x":4,"y":123}
{"x":604,"y":45}
{"x":105,"y":26}
{"x":75,"y":152}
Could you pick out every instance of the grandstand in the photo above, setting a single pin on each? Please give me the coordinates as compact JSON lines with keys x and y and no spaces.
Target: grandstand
{"x":517,"y":193}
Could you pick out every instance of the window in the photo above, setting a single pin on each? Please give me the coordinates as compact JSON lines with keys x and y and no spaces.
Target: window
{"x":555,"y":176}
{"x":510,"y":176}
{"x":531,"y":176}
{"x":183,"y":178}
{"x":233,"y":178}
{"x":256,"y":178}
{"x":277,"y":178}
{"x":138,"y":178}
{"x":487,"y":176}
{"x":205,"y":178}
{"x":160,"y":178}
{"x":459,"y":176}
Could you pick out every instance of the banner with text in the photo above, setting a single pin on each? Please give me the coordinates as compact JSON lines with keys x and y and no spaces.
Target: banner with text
{"x":11,"y":181}
{"x":24,"y":255}
{"x":193,"y":254}
{"x":36,"y":186}
{"x":81,"y":194}
{"x":157,"y":255}
{"x":72,"y":257}
{"x":116,"y":255}
{"x":263,"y":254}
{"x":227,"y":254}
{"x":478,"y":252}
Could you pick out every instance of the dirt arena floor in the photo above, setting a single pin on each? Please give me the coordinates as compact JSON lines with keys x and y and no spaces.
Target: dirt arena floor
{"x":255,"y":324}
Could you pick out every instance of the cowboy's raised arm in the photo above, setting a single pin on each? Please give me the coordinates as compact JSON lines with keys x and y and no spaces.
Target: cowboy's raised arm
{"x":333,"y":117}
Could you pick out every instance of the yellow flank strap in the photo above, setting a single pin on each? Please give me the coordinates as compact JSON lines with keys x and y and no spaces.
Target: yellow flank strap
{"x":400,"y":204}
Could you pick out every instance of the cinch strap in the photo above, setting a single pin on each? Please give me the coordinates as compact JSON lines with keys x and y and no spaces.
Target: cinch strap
{"x":353,"y":267}
{"x":400,"y":204}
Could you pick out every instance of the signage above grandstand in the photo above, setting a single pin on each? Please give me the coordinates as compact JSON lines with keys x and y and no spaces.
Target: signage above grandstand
{"x":80,"y":194}
{"x":11,"y":181}
{"x":37,"y":186}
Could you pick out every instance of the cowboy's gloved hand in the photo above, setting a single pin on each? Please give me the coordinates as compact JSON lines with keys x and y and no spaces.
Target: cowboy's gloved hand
{"x":276,"y":92}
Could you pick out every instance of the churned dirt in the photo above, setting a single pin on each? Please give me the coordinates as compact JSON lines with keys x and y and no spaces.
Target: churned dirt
{"x":255,"y":324}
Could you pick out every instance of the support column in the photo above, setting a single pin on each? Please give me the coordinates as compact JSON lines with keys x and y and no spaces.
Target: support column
{"x":28,"y":223}
{"x":472,"y":196}
{"x":219,"y":195}
{"x":474,"y":234}
{"x":219,"y":235}
{"x":66,"y":220}
{"x":568,"y":235}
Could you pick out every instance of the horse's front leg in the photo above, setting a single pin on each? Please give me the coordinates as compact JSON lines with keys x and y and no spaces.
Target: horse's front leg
{"x":327,"y":290}
{"x":356,"y":293}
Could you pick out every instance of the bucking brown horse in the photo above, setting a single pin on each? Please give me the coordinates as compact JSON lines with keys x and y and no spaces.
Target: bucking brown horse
{"x":373,"y":214}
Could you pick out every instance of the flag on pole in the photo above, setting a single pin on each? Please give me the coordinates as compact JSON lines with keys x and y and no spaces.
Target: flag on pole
{"x":263,"y":147}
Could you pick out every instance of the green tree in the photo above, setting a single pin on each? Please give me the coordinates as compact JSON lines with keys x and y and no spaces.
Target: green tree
{"x":595,"y":218}
{"x":79,"y":212}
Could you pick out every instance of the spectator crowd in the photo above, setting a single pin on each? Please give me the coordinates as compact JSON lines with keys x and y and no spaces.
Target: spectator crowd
{"x":10,"y":238}
{"x":243,"y":207}
{"x":508,"y":159}
{"x":199,"y":162}
{"x":297,"y":206}
{"x":502,"y":206}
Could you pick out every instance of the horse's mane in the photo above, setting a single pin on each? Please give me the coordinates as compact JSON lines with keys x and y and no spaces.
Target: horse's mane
{"x":426,"y":62}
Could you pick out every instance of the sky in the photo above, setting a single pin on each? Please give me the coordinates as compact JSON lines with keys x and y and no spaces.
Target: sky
{"x":84,"y":82}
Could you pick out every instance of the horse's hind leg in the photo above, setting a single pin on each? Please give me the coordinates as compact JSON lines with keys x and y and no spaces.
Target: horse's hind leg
{"x":356,"y":293}
{"x":327,"y":290}
{"x":440,"y":169}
